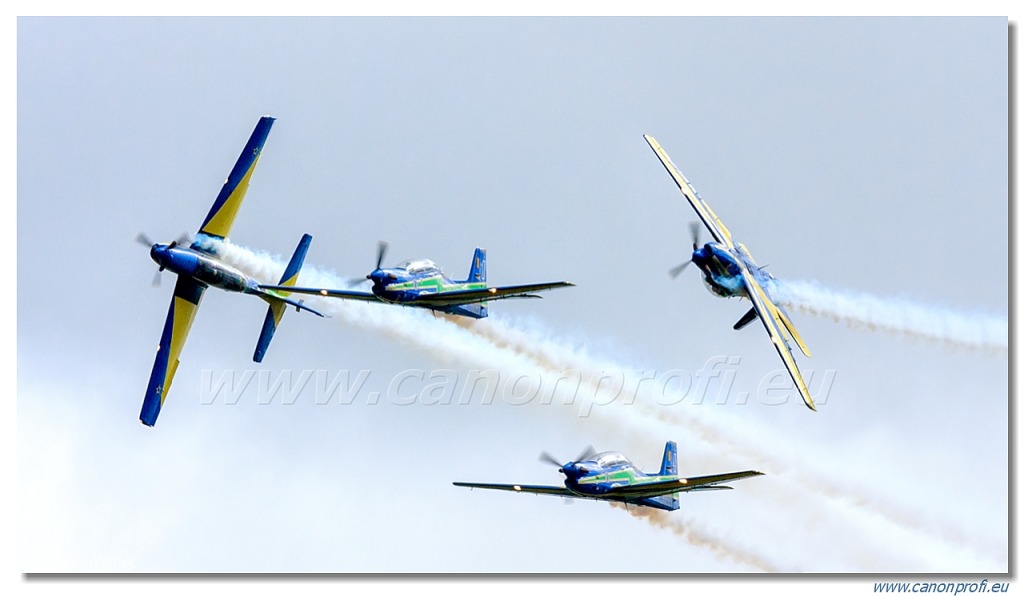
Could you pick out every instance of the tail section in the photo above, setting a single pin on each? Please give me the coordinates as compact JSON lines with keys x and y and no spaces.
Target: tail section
{"x":669,"y":466}
{"x":669,"y":462}
{"x":478,"y":270}
{"x":280,"y":301}
{"x":477,"y":274}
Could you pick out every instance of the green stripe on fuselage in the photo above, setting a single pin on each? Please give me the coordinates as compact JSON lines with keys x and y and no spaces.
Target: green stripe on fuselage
{"x":436,"y":284}
{"x":626,"y":476}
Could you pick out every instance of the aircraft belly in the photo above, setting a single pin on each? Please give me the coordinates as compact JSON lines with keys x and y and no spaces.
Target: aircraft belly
{"x":216,"y":274}
{"x":725,"y":286}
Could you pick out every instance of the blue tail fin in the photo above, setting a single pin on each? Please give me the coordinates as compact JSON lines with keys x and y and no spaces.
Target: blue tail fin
{"x":477,"y":273}
{"x":277,"y":306}
{"x":669,"y":462}
{"x":669,"y":466}
{"x":478,"y":270}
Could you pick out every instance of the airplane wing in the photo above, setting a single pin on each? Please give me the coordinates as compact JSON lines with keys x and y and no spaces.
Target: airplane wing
{"x":345,"y":294}
{"x":222,"y":215}
{"x":771,"y":318}
{"x":482,"y":295}
{"x":540,"y":489}
{"x":704,"y":212}
{"x":787,"y":323}
{"x":184,"y":304}
{"x":656,"y":488}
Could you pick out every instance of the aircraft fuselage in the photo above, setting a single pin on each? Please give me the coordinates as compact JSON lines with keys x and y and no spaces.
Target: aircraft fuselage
{"x":397,"y":285}
{"x":203,"y":268}
{"x":721,"y":272}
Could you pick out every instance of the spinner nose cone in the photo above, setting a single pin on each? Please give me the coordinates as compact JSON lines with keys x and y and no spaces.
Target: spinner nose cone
{"x":573,"y":470}
{"x":158,"y":253}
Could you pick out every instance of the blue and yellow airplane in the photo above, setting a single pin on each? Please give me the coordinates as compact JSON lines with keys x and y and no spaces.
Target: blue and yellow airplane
{"x":197,"y":268}
{"x":729,"y":270}
{"x":611,"y":477}
{"x":420,"y":283}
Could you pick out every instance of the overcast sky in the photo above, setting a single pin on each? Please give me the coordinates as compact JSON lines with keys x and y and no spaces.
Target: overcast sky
{"x":869,"y":155}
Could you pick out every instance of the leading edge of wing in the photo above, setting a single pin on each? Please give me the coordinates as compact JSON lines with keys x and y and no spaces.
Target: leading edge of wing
{"x":345,"y":294}
{"x":482,"y":295}
{"x":538,"y":489}
{"x":704,"y":211}
{"x":772,"y":324}
{"x":656,"y":488}
{"x":184,"y":304}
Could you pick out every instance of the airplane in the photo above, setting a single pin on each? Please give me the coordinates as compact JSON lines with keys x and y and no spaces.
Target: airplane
{"x":420,"y":283}
{"x":729,"y":270}
{"x":611,"y":477}
{"x":197,"y":268}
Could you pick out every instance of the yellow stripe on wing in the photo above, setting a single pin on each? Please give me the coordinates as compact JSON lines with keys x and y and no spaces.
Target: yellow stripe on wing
{"x":704,"y":211}
{"x":220,"y":224}
{"x":184,"y":314}
{"x":769,"y":316}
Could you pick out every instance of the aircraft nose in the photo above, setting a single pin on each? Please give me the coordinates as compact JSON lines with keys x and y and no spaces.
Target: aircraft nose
{"x":157,"y":253}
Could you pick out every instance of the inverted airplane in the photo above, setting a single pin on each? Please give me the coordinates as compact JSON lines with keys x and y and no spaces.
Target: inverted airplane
{"x":197,"y":268}
{"x":611,"y":477}
{"x":729,"y":270}
{"x":420,"y":283}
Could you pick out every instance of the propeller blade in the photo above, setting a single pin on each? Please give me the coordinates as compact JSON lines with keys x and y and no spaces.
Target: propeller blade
{"x":675,"y":271}
{"x":695,"y":234}
{"x":545,"y":457}
{"x":382,"y":249}
{"x":143,"y":239}
{"x":586,"y":453}
{"x":156,"y":279}
{"x":183,"y":239}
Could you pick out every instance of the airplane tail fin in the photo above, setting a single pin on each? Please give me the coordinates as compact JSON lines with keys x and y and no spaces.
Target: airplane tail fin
{"x":478,"y":269}
{"x":280,"y":301}
{"x":669,"y":466}
{"x":669,"y":462}
{"x":477,"y":273}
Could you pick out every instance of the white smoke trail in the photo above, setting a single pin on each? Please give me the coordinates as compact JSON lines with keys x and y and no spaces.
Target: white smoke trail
{"x":897,"y":316}
{"x":719,"y":431}
{"x":504,"y":346}
{"x":690,"y":531}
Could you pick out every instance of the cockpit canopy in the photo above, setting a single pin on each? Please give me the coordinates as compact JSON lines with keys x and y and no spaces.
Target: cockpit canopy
{"x":610,"y":459}
{"x":420,"y":266}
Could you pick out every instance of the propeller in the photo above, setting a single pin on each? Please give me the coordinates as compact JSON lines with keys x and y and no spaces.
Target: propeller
{"x":382,"y":249}
{"x":587,"y":453}
{"x":548,"y":458}
{"x":143,"y":239}
{"x":695,"y":236}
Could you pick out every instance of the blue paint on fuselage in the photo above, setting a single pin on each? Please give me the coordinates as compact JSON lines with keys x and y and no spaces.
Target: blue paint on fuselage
{"x":577,"y":473}
{"x":201,"y":267}
{"x":721,"y":271}
{"x":384,"y":281}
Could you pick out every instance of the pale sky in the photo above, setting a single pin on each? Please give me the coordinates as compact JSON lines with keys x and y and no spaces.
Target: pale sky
{"x":869,"y":155}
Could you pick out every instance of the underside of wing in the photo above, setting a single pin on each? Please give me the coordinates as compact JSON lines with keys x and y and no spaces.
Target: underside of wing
{"x":704,"y":211}
{"x":222,"y":215}
{"x":656,"y":488}
{"x":773,"y":324}
{"x":184,"y":304}
{"x":344,"y":294}
{"x":539,"y":489}
{"x":787,"y":323}
{"x":482,"y":295}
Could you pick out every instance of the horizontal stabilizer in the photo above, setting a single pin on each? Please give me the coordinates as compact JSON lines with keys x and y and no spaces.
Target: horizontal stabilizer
{"x":749,"y":316}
